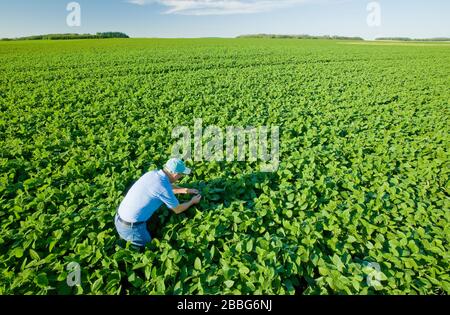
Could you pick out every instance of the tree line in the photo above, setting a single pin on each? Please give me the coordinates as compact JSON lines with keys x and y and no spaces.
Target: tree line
{"x":407,"y":39}
{"x":72,"y":36}
{"x":300,"y":36}
{"x":305,"y":36}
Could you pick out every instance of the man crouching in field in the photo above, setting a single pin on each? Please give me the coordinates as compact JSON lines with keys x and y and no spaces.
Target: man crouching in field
{"x":146,"y":196}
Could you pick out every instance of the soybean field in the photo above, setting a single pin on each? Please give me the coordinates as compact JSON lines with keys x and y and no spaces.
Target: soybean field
{"x":359,"y":203}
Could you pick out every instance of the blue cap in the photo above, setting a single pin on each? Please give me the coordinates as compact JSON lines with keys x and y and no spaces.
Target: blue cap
{"x":176,"y":166}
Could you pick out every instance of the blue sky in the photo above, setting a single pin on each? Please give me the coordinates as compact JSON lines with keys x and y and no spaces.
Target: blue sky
{"x":228,"y":18}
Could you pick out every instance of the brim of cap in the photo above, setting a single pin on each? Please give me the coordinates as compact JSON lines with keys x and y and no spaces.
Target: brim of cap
{"x":187,"y":171}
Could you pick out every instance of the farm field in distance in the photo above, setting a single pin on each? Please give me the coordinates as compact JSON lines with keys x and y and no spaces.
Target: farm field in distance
{"x":363,"y":178}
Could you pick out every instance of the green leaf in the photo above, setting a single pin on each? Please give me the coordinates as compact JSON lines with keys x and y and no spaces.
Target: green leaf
{"x":356,"y":284}
{"x":244,"y":270}
{"x":250,"y":285}
{"x":96,"y":285}
{"x":323,"y":271}
{"x":34,"y":254}
{"x":289,"y":286}
{"x":41,"y":280}
{"x":18,"y":252}
{"x":249,"y":245}
{"x":161,"y":287}
{"x":52,"y":245}
{"x":139,"y":266}
{"x":338,"y":262}
{"x":198,"y":263}
{"x":229,"y":283}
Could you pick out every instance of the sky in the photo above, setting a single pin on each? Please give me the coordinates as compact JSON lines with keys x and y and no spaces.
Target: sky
{"x":229,"y":18}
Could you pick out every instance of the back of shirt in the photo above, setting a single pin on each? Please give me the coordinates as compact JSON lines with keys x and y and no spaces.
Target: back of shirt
{"x":146,"y":196}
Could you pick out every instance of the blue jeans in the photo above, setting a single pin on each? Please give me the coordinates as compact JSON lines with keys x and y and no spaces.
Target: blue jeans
{"x":137,"y":235}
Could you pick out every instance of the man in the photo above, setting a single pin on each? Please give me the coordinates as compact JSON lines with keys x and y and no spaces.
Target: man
{"x":145,"y":197}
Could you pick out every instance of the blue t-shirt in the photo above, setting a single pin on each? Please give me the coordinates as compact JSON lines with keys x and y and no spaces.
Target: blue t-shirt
{"x":146,"y":196}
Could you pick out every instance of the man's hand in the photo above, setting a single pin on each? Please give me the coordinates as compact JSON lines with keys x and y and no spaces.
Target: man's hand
{"x":182,"y":190}
{"x":196,"y":199}
{"x":191,"y":191}
{"x":184,"y":206}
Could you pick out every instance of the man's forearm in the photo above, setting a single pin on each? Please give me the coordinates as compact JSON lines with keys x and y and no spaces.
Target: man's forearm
{"x":179,"y":190}
{"x":183,"y":207}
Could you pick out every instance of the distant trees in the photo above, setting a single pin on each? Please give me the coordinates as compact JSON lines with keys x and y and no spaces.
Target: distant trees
{"x":300,"y":36}
{"x":407,"y":39}
{"x":71,"y":36}
{"x":305,"y":36}
{"x":112,"y":35}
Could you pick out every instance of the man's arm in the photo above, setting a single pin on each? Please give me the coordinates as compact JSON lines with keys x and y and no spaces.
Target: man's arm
{"x":181,"y":190}
{"x":184,"y":206}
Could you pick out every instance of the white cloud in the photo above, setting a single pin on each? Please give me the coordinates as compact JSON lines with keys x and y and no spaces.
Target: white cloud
{"x":219,"y":7}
